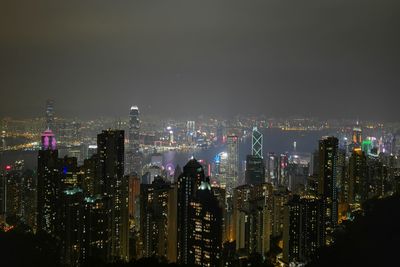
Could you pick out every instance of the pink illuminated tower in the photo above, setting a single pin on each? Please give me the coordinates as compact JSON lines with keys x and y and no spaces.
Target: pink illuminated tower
{"x":48,"y":140}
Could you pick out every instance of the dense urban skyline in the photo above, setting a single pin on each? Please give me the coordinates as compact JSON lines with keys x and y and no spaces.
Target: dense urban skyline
{"x":276,"y":58}
{"x":199,"y":133}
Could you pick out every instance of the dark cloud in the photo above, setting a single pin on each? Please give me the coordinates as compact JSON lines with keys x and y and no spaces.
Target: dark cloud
{"x":321,"y":58}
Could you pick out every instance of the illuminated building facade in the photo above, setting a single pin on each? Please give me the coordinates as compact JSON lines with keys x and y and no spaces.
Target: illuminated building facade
{"x":134,"y":157}
{"x":199,"y":218}
{"x":252,"y":217}
{"x":49,"y":184}
{"x":70,"y":225}
{"x":13,"y":192}
{"x":114,"y":185}
{"x":191,"y":131}
{"x":282,"y":170}
{"x":304,"y":232}
{"x":357,"y":136}
{"x":257,"y":143}
{"x":134,"y":198}
{"x":188,"y":183}
{"x":232,"y":173}
{"x":157,"y":209}
{"x":205,"y":224}
{"x":96,"y":229}
{"x":272,"y":168}
{"x":327,"y":182}
{"x":50,"y":115}
{"x":278,"y":202}
{"x":357,"y":183}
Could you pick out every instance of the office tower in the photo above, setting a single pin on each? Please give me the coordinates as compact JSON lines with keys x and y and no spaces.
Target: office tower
{"x":134,"y":157}
{"x":49,"y":184}
{"x":357,"y":180}
{"x":282,"y":170}
{"x":199,"y":218}
{"x":257,"y":143}
{"x":255,"y":171}
{"x":221,"y":168}
{"x":221,"y":133}
{"x":232,"y":173}
{"x":272,"y":168}
{"x":50,"y":115}
{"x":155,"y":219}
{"x":328,"y":155}
{"x":114,"y":185}
{"x":70,"y":225}
{"x":252,"y":218}
{"x":191,"y":131}
{"x":303,"y":228}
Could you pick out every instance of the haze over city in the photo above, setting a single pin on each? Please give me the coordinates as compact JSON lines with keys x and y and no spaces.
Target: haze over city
{"x":278,"y":58}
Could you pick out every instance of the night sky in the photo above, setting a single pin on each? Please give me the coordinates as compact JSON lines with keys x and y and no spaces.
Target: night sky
{"x":324,"y":58}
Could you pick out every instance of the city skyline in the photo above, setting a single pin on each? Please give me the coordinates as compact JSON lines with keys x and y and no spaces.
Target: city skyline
{"x":199,"y":133}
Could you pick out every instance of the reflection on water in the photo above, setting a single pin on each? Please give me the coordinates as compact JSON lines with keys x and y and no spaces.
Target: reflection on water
{"x":275,"y":140}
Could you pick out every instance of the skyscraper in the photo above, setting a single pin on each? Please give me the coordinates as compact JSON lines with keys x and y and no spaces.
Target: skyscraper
{"x":252,"y":218}
{"x":232,"y":174}
{"x":357,"y":135}
{"x":49,"y":184}
{"x":357,"y":180}
{"x":199,"y":218}
{"x":257,"y":143}
{"x":96,"y":229}
{"x":303,"y":228}
{"x":69,"y":226}
{"x":327,"y":188}
{"x":272,"y":168}
{"x":156,"y":213}
{"x":188,"y":183}
{"x":255,"y":170}
{"x":114,"y":185}
{"x":134,"y":158}
{"x":50,"y":114}
{"x":190,"y":131}
{"x":205,"y":224}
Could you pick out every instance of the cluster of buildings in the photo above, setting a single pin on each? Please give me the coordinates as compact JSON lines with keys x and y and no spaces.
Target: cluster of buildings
{"x":114,"y":207}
